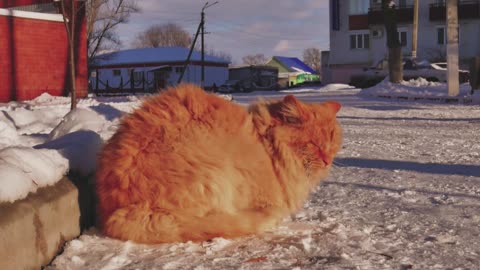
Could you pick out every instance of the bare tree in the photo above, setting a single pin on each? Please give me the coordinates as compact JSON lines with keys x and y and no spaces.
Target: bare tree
{"x":395,"y":68}
{"x":69,"y":10}
{"x":312,"y":57}
{"x":220,"y":54}
{"x":254,"y":59}
{"x":102,"y":18}
{"x":163,"y":35}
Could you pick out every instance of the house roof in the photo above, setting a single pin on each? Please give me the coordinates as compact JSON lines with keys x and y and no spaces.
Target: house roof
{"x":152,"y":55}
{"x":294,"y":64}
{"x":252,"y":67}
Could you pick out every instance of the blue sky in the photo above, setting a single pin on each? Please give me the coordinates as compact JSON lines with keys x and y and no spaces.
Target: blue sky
{"x":241,"y":27}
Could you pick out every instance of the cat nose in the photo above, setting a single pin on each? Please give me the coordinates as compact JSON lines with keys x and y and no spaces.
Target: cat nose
{"x":327,"y":161}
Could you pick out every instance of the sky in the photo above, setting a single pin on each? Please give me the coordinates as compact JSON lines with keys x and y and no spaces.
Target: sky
{"x":239,"y":28}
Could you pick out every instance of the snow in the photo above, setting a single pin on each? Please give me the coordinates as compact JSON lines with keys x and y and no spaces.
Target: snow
{"x":40,"y":140}
{"x":24,"y":170}
{"x":403,"y":192}
{"x":153,"y":55}
{"x":420,"y":88}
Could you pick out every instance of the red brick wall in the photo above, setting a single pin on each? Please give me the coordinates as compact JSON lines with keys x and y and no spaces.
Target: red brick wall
{"x":34,"y":57}
{"x":16,"y":3}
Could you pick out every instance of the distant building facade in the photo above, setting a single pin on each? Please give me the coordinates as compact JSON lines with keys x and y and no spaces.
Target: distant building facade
{"x":255,"y":76}
{"x":151,"y":69}
{"x":358,"y":39}
{"x":34,"y":50}
{"x":292,"y":71}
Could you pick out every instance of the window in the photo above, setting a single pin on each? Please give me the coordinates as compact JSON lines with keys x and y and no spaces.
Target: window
{"x":138,"y":76}
{"x":402,"y":37}
{"x":358,"y":7}
{"x":402,"y":3}
{"x":179,"y":69}
{"x":359,"y":41}
{"x":117,"y":72}
{"x":442,"y":35}
{"x":335,"y":14}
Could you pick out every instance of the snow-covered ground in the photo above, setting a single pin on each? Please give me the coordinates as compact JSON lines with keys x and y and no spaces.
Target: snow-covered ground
{"x":404,"y":192}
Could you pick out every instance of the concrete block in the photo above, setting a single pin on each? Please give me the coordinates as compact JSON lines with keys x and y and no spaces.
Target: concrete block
{"x":34,"y":230}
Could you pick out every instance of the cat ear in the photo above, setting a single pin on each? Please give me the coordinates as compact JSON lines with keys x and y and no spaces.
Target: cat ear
{"x":333,"y":105}
{"x":293,"y":111}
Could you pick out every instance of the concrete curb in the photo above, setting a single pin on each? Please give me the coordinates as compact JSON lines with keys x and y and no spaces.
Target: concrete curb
{"x":34,"y":230}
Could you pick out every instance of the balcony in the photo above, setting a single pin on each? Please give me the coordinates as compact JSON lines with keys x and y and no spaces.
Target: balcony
{"x":466,"y":10}
{"x":404,"y":14}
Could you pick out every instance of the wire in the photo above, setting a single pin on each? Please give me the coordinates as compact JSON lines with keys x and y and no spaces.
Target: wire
{"x":237,"y":28}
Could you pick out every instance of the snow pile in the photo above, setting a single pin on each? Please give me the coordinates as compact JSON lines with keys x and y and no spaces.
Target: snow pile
{"x":82,"y":119}
{"x":29,"y":121}
{"x":336,"y":87}
{"x":420,"y":82}
{"x":24,"y":170}
{"x":80,"y":148}
{"x":46,"y":98}
{"x":417,"y":89}
{"x":8,"y":134}
{"x":326,"y":88}
{"x":40,"y":140}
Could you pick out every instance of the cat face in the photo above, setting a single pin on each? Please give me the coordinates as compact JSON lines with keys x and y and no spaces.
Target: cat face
{"x":310,"y":130}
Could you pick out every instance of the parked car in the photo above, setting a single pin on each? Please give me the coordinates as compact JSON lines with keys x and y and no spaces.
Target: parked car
{"x":411,"y":70}
{"x":463,"y":75}
{"x":231,"y":86}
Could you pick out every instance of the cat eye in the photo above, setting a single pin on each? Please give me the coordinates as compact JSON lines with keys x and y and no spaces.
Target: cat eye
{"x":292,"y":120}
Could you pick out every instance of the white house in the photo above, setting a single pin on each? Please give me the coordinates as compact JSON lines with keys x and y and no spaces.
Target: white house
{"x":151,"y":69}
{"x":357,"y":34}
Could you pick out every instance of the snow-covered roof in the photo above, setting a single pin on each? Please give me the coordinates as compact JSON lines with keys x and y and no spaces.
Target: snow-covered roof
{"x":251,"y":66}
{"x":294,"y":64}
{"x":152,"y":55}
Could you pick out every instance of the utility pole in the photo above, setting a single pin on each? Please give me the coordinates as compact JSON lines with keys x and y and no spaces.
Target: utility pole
{"x":202,"y":23}
{"x":189,"y":54}
{"x":452,"y":48}
{"x":200,"y":30}
{"x":415,"y":30}
{"x":202,"y":81}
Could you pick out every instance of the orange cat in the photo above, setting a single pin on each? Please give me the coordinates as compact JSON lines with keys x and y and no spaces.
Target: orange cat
{"x":189,"y":165}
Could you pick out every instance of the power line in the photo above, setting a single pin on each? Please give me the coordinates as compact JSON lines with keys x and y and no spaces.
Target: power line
{"x":237,"y":29}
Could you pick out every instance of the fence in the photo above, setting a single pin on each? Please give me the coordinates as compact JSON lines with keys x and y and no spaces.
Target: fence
{"x":131,"y":86}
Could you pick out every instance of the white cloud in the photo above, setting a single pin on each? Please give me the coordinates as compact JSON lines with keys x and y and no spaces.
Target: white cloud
{"x":281,"y":46}
{"x":242,"y":27}
{"x":303,"y":14}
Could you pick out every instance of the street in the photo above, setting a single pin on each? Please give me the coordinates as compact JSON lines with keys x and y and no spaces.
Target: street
{"x":404,"y":193}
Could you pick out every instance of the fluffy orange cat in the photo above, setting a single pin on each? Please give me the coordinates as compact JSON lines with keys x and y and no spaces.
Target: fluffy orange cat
{"x":189,"y":165}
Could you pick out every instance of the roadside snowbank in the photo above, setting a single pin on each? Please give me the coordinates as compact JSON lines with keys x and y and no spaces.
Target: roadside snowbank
{"x":41,"y":140}
{"x":418,"y":89}
{"x":24,"y":170}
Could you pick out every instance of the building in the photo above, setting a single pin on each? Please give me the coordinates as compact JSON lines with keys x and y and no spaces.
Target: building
{"x":255,"y":76}
{"x":292,"y":71}
{"x":34,"y":50}
{"x":150,"y":69}
{"x":358,"y":40}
